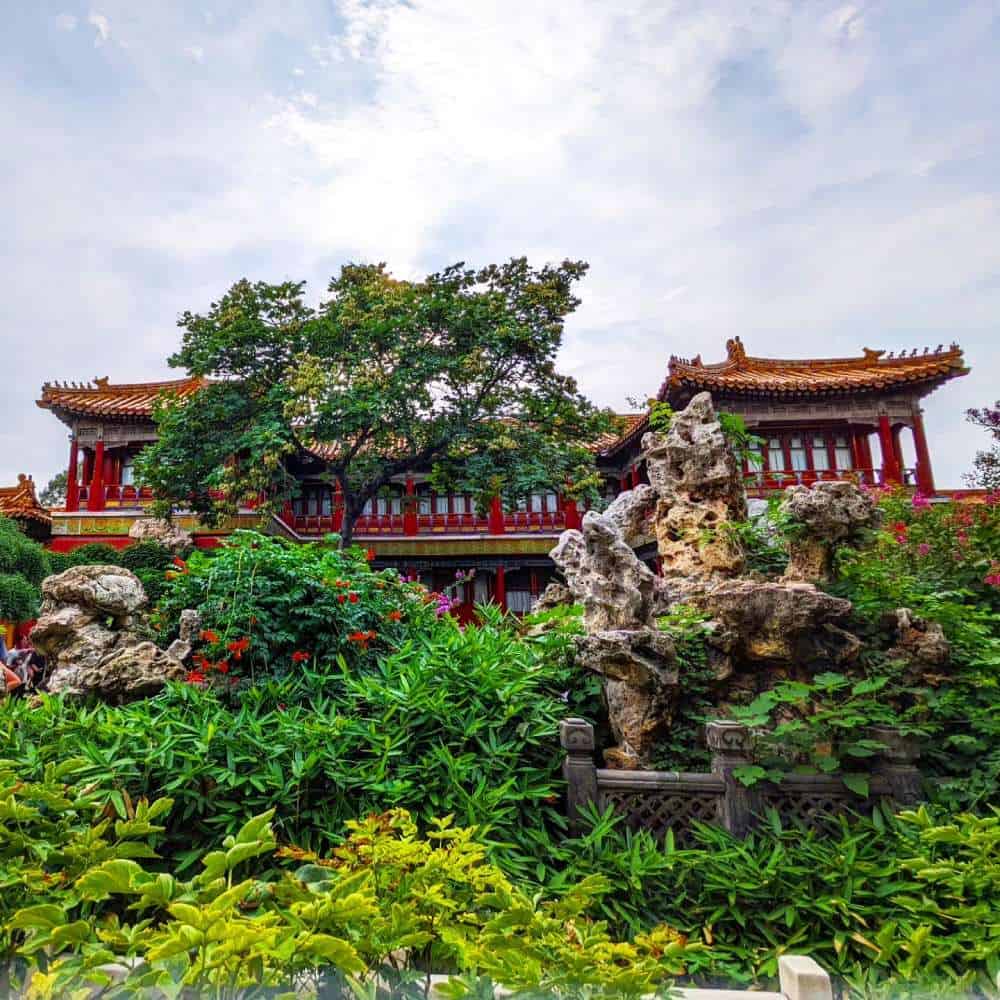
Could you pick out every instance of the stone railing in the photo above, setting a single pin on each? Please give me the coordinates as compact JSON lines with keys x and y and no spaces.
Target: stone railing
{"x":663,"y":800}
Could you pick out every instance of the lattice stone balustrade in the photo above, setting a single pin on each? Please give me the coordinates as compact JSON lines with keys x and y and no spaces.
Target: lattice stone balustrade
{"x":662,"y":800}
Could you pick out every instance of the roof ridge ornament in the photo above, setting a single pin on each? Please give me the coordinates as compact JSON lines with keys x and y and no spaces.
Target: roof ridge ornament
{"x":735,"y":349}
{"x":102,"y":383}
{"x":871,"y":355}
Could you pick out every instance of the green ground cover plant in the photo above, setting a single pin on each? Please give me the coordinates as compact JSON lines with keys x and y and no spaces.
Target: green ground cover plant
{"x":81,"y":891}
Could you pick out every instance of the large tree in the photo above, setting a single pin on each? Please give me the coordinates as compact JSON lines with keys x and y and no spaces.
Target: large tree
{"x":455,"y":373}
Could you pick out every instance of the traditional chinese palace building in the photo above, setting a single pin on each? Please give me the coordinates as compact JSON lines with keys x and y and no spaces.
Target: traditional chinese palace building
{"x":819,"y":420}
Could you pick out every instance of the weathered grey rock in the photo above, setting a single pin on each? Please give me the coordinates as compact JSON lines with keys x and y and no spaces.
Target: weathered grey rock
{"x":640,"y":671}
{"x":920,"y":641}
{"x":605,"y":575}
{"x":824,"y":515}
{"x":694,"y":459}
{"x":700,"y":493}
{"x":632,"y":514}
{"x":157,"y":529}
{"x":84,"y":632}
{"x":190,"y":625}
{"x":780,"y":622}
{"x":110,"y":590}
{"x":127,"y":672}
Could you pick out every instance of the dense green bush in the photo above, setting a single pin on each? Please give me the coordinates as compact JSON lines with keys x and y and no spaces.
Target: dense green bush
{"x":883,"y":902}
{"x":386,"y":904}
{"x":268,"y":605}
{"x":451,"y":721}
{"x":23,"y":566}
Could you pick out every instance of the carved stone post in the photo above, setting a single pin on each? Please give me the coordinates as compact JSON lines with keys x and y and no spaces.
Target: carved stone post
{"x":577,"y":738}
{"x":897,"y":764}
{"x":730,"y":746}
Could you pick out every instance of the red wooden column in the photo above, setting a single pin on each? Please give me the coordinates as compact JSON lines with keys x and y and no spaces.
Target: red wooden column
{"x":897,"y":450}
{"x":857,"y":450}
{"x":500,"y":587}
{"x":925,"y":474}
{"x":635,"y":476}
{"x":496,"y":525}
{"x":73,"y":476}
{"x":572,"y":514}
{"x":95,"y":501}
{"x":866,"y":451}
{"x":890,"y":467}
{"x":410,"y":507}
{"x":338,"y":507}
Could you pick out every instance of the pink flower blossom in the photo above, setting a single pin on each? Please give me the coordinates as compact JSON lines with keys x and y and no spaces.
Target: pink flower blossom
{"x":920,"y":502}
{"x":923,"y":549}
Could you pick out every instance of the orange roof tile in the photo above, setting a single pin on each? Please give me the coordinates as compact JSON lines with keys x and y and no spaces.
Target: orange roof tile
{"x":105,"y":400}
{"x":873,"y":371}
{"x":20,"y":502}
{"x":631,"y":424}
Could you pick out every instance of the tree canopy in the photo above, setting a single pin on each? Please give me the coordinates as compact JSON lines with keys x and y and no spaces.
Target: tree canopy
{"x":455,"y":373}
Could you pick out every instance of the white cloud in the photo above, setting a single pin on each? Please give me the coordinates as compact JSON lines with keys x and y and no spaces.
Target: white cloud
{"x":103,"y":26}
{"x":812,"y":176}
{"x":66,"y":22}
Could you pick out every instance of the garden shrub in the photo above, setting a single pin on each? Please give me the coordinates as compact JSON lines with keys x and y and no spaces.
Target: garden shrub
{"x":386,"y":903}
{"x":269,"y":605}
{"x":23,"y":566}
{"x":451,"y":721}
{"x":883,"y":902}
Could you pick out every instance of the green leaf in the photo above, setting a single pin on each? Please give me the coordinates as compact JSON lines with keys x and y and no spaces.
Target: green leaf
{"x":857,"y":783}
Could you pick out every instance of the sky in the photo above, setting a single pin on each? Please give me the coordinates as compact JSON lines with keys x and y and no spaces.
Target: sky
{"x":815,"y":177}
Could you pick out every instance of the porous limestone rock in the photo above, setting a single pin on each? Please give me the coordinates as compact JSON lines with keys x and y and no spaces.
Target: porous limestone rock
{"x":157,"y":529}
{"x":123,"y":673}
{"x":108,"y":590}
{"x":617,"y":591}
{"x":555,"y":595}
{"x":780,"y":622}
{"x":920,"y":642}
{"x":631,"y":512}
{"x":824,"y":515}
{"x":640,"y":671}
{"x":605,"y":575}
{"x":700,"y":491}
{"x":85,"y":632}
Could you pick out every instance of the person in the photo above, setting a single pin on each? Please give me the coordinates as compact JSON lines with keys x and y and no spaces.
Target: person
{"x":3,"y":649}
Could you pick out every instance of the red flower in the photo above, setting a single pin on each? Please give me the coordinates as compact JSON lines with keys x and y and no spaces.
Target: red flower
{"x":209,"y":636}
{"x":180,"y":564}
{"x":361,"y":638}
{"x":299,"y":656}
{"x":195,"y":677}
{"x":341,"y":598}
{"x":239,"y":647}
{"x":395,"y":616}
{"x":222,"y":666}
{"x":370,"y":555}
{"x":353,"y":597}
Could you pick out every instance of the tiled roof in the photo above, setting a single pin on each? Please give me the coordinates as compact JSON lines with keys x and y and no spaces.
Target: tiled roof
{"x":627,"y":425}
{"x":102,"y":399}
{"x":873,"y":371}
{"x":631,"y":424}
{"x":20,"y":502}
